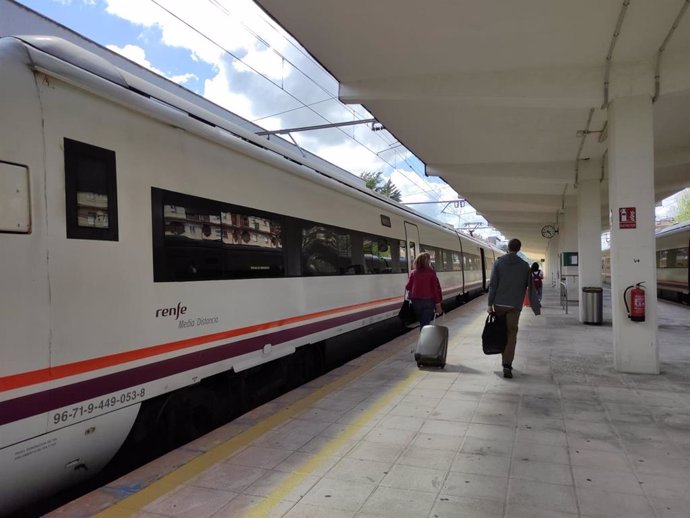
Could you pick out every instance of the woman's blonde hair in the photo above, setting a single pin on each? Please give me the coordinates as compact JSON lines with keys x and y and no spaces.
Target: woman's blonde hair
{"x":423,"y":260}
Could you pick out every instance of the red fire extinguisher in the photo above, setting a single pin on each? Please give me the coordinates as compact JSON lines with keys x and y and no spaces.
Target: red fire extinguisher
{"x":636,"y":308}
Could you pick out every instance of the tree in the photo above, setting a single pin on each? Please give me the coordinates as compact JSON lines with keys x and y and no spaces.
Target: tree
{"x":388,"y":189}
{"x":683,"y":213}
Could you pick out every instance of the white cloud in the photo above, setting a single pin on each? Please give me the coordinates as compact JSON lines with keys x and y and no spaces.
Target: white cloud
{"x":348,"y":154}
{"x":218,"y":91}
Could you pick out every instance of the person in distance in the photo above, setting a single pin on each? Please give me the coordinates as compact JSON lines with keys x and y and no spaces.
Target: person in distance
{"x":424,"y":290}
{"x":510,"y":278}
{"x":537,"y":279}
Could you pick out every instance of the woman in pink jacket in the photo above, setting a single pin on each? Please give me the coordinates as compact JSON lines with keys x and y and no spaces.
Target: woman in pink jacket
{"x":424,"y":290}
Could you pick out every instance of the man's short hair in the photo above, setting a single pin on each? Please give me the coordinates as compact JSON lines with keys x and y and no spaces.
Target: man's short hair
{"x":514,"y":245}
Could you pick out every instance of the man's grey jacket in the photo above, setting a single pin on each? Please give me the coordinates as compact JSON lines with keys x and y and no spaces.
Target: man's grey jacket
{"x":510,"y":277}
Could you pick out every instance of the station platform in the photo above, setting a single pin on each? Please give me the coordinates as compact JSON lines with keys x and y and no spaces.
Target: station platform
{"x":568,"y":436}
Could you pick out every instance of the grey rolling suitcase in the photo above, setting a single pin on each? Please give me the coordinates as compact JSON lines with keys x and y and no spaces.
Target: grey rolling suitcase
{"x":432,"y":346}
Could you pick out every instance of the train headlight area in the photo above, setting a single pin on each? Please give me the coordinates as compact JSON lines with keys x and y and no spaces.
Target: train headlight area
{"x":378,"y":436}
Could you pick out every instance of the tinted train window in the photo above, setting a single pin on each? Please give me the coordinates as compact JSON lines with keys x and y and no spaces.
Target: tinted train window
{"x":471,"y":261}
{"x":447,"y":260}
{"x":200,"y":239}
{"x":681,"y":258}
{"x":90,"y":192}
{"x":377,"y":255}
{"x":403,"y":262}
{"x":327,"y":251}
{"x":662,"y":259}
{"x":456,"y":260}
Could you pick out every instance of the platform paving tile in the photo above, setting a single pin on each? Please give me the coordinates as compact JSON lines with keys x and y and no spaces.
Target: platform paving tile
{"x":260,"y":457}
{"x":547,"y":472}
{"x":393,"y":502}
{"x":358,"y":470}
{"x":536,"y":452}
{"x":189,"y":501}
{"x":670,"y":507}
{"x":441,"y":442}
{"x":609,"y":504}
{"x":297,"y":461}
{"x":448,"y":506}
{"x":228,"y":477}
{"x":607,"y":480}
{"x":243,"y":504}
{"x":476,"y":486}
{"x":445,"y":427}
{"x":345,"y":495}
{"x":478,"y":446}
{"x":541,"y":495}
{"x":425,"y":458}
{"x":481,"y":464}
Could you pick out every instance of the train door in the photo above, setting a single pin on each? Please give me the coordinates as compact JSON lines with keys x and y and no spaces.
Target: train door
{"x":464,"y":291}
{"x":412,"y":240}
{"x":482,"y":253}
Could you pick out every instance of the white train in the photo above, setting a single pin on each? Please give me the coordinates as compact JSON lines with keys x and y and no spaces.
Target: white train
{"x":154,"y":254}
{"x":672,"y":265}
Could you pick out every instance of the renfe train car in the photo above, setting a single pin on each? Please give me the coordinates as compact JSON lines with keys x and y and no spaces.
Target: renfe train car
{"x":153,"y":254}
{"x":672,"y":266}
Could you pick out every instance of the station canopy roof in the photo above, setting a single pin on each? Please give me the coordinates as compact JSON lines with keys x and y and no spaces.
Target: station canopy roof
{"x":493,"y":95}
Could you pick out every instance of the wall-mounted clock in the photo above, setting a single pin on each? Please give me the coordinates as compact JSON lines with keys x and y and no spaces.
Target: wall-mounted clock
{"x":548,"y":231}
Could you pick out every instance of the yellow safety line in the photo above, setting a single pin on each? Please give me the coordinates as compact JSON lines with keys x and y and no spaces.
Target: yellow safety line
{"x":265,"y":506}
{"x":133,"y":504}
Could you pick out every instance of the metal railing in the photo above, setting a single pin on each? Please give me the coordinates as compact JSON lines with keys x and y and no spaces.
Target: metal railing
{"x":564,"y":296}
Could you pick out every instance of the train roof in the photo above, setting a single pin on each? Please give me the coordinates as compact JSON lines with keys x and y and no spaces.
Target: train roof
{"x":41,"y":49}
{"x":683,"y":226}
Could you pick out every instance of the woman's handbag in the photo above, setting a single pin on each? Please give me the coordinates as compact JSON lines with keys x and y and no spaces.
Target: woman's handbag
{"x":495,"y":334}
{"x":406,"y":313}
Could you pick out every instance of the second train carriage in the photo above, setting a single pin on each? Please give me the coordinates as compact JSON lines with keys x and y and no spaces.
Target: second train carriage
{"x":672,"y":265}
{"x":153,"y":252}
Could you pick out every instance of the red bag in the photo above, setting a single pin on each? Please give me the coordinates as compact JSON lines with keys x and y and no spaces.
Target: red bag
{"x":525,"y":301}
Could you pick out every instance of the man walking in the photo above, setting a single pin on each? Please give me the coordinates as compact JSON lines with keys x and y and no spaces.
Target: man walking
{"x":509,"y":280}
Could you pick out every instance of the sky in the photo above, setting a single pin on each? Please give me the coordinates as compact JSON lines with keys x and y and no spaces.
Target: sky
{"x":230,"y":52}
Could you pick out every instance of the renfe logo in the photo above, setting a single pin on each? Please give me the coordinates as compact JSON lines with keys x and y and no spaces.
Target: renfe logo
{"x":172,"y":312}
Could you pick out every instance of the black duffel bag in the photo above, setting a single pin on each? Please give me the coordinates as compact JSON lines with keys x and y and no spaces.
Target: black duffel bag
{"x":495,"y":334}
{"x":406,"y":313}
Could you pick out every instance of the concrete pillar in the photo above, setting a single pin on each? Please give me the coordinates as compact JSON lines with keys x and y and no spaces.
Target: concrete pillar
{"x":633,"y":254}
{"x":567,"y":244}
{"x":588,"y":228}
{"x":551,"y":272}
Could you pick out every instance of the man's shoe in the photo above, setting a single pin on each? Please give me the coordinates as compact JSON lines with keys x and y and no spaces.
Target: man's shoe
{"x":507,"y":372}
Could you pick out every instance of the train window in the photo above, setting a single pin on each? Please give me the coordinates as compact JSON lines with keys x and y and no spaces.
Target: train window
{"x":15,"y":202}
{"x":327,"y":251}
{"x":682,"y":257}
{"x":377,"y":255}
{"x":199,"y":239}
{"x":471,"y":261}
{"x":447,"y":260}
{"x":402,"y":259}
{"x":90,"y":192}
{"x":457,"y":261}
{"x":662,"y":259}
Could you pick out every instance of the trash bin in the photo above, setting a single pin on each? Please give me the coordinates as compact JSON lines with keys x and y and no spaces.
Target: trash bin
{"x":592,"y":305}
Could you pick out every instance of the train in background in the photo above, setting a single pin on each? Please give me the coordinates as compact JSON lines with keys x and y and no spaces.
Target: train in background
{"x":672,"y":265}
{"x":163,"y":267}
